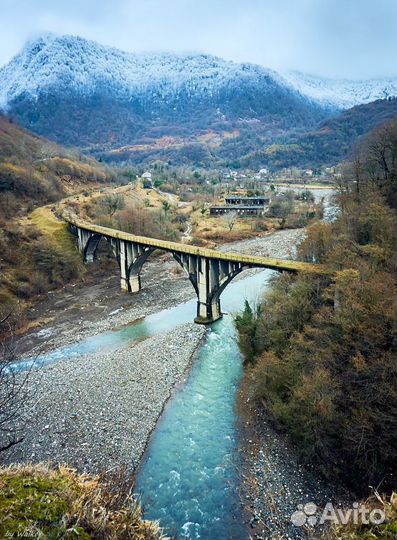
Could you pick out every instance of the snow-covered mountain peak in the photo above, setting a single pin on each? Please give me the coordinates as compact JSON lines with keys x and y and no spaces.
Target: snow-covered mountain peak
{"x":70,"y":63}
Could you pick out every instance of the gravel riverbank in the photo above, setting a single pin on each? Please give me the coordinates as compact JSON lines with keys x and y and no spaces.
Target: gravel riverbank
{"x":280,"y":244}
{"x":97,"y":412}
{"x":274,"y":483}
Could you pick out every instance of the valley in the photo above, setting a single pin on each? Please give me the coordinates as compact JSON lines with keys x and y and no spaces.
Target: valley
{"x":142,"y":190}
{"x":105,"y":339}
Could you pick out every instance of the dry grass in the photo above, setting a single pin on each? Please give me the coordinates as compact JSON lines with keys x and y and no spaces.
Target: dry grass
{"x":54,"y":229}
{"x":38,"y":501}
{"x":383,"y":531}
{"x":215,"y":230}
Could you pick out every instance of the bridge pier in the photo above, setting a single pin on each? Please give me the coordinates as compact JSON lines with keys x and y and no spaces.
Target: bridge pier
{"x":132,"y":257}
{"x":208,"y":304}
{"x":131,"y":284}
{"x":88,"y":243}
{"x":135,"y":283}
{"x":208,"y":312}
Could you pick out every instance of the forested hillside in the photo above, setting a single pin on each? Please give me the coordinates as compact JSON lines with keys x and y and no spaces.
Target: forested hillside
{"x":321,"y":353}
{"x":37,"y":256}
{"x":35,"y":171}
{"x":331,"y":142}
{"x":79,"y":92}
{"x":250,"y":145}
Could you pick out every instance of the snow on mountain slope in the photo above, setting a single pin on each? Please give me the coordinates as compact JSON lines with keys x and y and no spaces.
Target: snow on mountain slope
{"x":84,"y":66}
{"x":343,"y":93}
{"x":70,"y":63}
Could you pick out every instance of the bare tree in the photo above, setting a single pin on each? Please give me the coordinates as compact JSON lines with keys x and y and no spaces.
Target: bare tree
{"x":375,"y":164}
{"x":112,"y":203}
{"x":230,"y":219}
{"x":12,"y":387}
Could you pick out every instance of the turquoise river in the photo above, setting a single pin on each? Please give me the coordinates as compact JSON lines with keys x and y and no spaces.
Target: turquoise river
{"x":189,"y":475}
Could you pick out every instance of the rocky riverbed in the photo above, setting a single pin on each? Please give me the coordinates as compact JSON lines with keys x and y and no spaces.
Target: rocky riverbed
{"x":281,"y":244}
{"x":97,"y":412}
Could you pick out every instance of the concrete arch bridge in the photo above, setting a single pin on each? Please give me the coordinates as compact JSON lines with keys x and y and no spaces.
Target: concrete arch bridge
{"x":209,"y":271}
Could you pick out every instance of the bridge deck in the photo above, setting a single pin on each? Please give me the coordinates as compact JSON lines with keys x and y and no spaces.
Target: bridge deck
{"x":251,"y":260}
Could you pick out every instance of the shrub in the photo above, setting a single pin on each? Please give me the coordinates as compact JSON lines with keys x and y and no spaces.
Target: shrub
{"x":363,"y":531}
{"x":246,"y":324}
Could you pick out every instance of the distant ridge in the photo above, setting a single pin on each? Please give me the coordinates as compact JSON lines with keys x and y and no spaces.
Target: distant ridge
{"x":341,"y":93}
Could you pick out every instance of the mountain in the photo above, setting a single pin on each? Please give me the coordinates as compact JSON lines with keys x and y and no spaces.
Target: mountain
{"x":194,"y":109}
{"x":79,"y":92}
{"x":332,"y":142}
{"x":341,"y":93}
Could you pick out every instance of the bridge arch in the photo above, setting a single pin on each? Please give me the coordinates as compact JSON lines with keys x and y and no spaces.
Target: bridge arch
{"x":91,"y":247}
{"x":135,"y":268}
{"x":225,"y":282}
{"x":209,"y":271}
{"x":92,"y":244}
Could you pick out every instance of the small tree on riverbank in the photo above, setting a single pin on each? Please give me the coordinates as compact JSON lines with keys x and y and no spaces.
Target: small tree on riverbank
{"x":12,"y":386}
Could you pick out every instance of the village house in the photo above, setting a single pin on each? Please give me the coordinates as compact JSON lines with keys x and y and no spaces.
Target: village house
{"x":147,"y":180}
{"x":242,"y":206}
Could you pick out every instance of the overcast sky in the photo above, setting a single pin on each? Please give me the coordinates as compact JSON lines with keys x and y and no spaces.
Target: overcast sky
{"x":336,"y":38}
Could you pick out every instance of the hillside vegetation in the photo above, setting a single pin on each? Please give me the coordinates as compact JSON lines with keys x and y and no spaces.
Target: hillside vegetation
{"x":37,"y":501}
{"x":37,"y":253}
{"x":35,"y":171}
{"x":331,"y":142}
{"x":255,"y":145}
{"x":322,"y":353}
{"x":79,"y":92}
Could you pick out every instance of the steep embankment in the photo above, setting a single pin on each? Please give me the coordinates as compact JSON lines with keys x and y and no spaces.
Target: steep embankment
{"x":320,"y":354}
